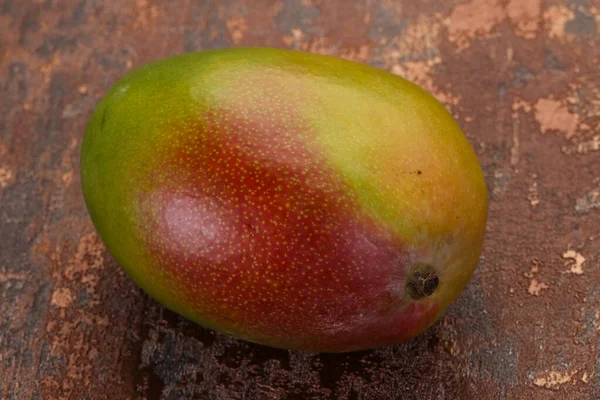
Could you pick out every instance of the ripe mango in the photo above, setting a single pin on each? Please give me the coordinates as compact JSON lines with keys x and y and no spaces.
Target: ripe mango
{"x":290,"y":199}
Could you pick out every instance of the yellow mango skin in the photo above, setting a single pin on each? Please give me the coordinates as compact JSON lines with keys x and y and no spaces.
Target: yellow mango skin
{"x":373,"y":163}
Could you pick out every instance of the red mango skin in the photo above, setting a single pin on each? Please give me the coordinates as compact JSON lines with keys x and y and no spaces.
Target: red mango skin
{"x":285,"y":198}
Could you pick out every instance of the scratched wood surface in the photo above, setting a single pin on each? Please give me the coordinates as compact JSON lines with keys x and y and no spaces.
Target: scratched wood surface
{"x":521,"y":77}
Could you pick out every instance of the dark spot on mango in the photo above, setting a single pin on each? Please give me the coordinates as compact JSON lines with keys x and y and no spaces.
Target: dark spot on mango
{"x":423,"y":281}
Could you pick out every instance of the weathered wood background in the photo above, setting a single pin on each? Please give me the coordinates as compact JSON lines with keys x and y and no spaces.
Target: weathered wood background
{"x":521,"y":76}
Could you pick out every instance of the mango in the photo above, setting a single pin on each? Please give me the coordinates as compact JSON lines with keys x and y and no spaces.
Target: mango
{"x":290,"y":199}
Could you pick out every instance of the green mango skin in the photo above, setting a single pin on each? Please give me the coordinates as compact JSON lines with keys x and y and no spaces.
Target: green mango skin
{"x":285,"y":198}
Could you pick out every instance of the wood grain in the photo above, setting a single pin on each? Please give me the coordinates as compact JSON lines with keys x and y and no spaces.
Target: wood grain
{"x":521,"y":77}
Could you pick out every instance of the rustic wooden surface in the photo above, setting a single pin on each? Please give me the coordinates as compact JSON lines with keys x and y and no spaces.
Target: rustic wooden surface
{"x":522,"y":78}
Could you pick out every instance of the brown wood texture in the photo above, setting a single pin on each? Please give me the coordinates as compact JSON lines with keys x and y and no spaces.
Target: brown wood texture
{"x":521,"y":77}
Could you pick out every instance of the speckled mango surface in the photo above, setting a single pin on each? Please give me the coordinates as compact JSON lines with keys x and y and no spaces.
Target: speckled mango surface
{"x":285,"y":198}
